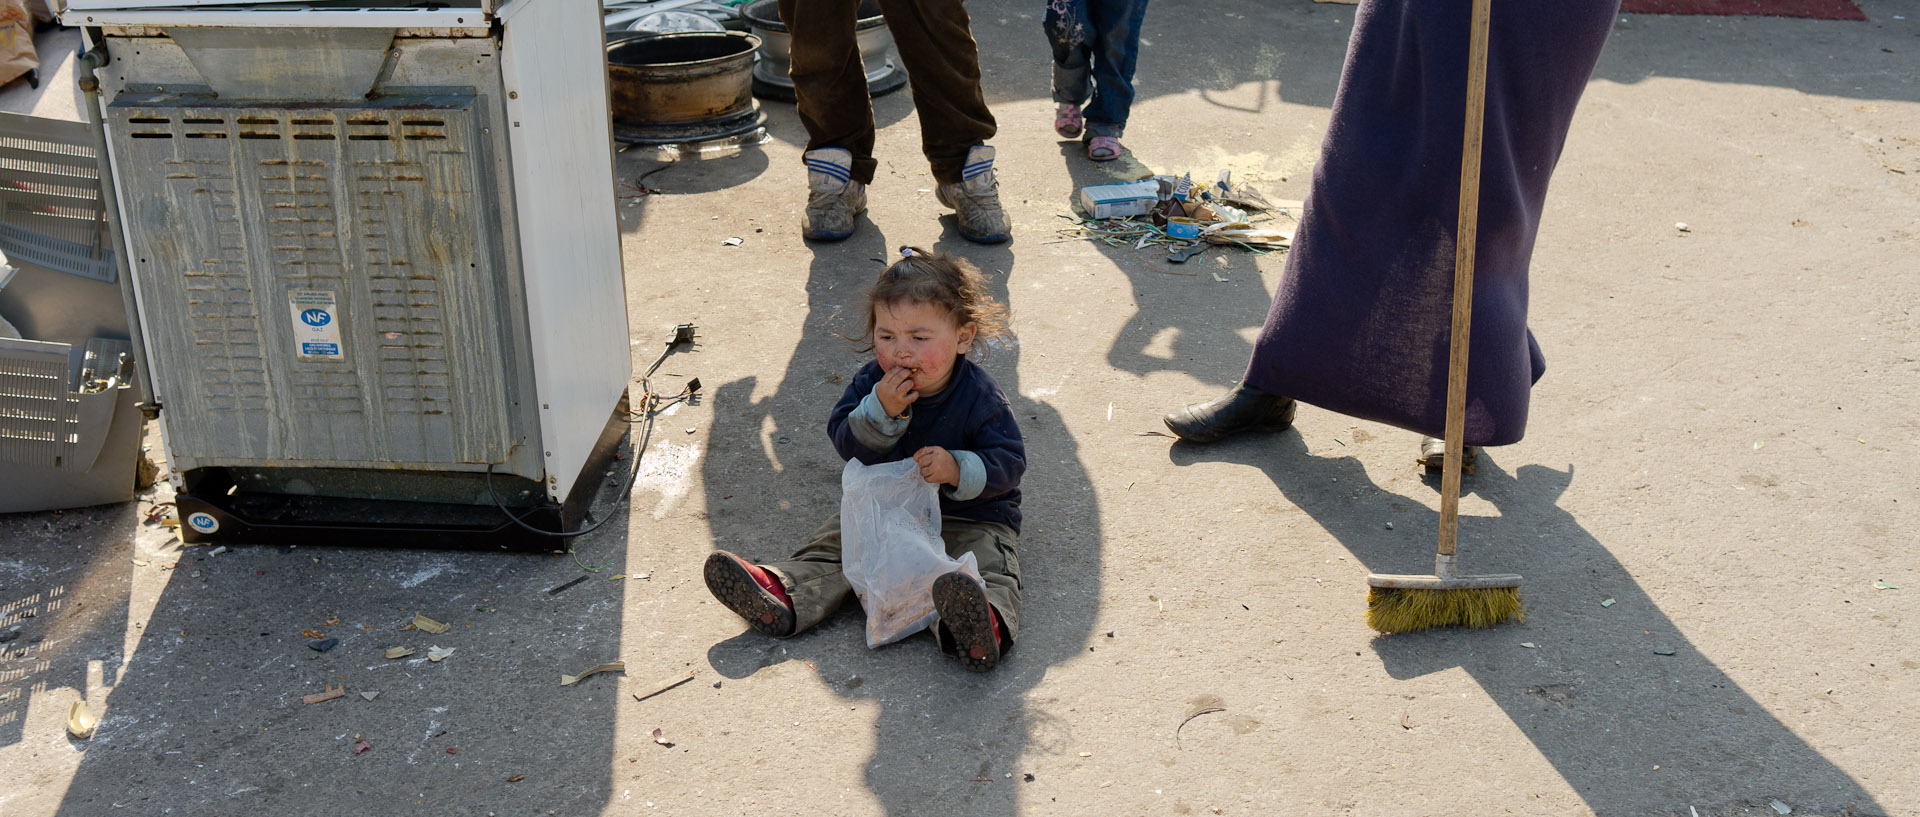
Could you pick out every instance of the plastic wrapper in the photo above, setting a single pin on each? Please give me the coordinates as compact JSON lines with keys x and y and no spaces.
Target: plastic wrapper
{"x":891,"y":549}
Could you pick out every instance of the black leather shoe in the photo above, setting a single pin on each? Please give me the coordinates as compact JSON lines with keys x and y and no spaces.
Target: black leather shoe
{"x":1242,"y":409}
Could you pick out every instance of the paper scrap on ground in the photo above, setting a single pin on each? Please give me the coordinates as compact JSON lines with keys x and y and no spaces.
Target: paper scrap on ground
{"x":438,"y":654}
{"x":569,"y":680}
{"x":399,"y":652}
{"x":665,"y":685}
{"x":424,"y":623}
{"x":332,"y":691}
{"x":80,"y":722}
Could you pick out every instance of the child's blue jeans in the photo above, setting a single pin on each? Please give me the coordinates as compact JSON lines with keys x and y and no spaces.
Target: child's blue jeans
{"x":1095,"y":45}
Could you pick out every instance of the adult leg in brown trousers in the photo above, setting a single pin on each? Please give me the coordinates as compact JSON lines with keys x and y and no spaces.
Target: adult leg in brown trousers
{"x":943,"y":67}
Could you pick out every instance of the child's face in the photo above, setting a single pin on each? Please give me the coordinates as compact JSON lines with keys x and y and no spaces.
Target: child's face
{"x":919,"y":337}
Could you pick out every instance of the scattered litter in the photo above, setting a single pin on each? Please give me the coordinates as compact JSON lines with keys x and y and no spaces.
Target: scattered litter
{"x":1186,"y":253}
{"x":564,"y":587}
{"x":516,"y":778}
{"x":661,"y":739}
{"x":314,"y":634}
{"x":430,"y":625}
{"x":361,"y":746}
{"x":1216,"y":277}
{"x":139,"y":563}
{"x":323,"y":645}
{"x":1086,"y":754}
{"x":399,"y":652}
{"x":1529,"y":645}
{"x":1155,"y":434}
{"x":1121,"y":199}
{"x":217,"y":551}
{"x":1682,"y":227}
{"x":1204,"y":705}
{"x":438,"y":654}
{"x":452,"y":751}
{"x":369,"y":695}
{"x":666,"y":685}
{"x":1663,"y":651}
{"x":616,"y":666}
{"x":1607,"y":603}
{"x":1780,"y":807}
{"x":1179,"y":215}
{"x":80,"y":722}
{"x":1028,"y":777}
{"x":1881,"y":585}
{"x":734,"y":241}
{"x":332,"y":691}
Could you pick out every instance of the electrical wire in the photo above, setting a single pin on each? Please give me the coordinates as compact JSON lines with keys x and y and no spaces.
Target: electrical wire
{"x":651,"y":404}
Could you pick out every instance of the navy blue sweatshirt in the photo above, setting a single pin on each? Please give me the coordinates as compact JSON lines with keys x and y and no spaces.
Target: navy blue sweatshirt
{"x":970,"y":417}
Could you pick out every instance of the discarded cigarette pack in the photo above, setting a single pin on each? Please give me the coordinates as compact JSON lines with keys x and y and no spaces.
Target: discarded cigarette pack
{"x":1120,"y":200}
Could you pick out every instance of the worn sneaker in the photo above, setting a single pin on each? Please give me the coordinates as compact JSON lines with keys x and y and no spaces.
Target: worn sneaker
{"x":744,"y":588}
{"x":976,"y":199}
{"x":834,"y":199}
{"x":969,"y":619}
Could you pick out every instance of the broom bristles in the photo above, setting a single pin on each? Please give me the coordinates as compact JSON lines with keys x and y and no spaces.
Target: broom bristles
{"x":1409,"y":610}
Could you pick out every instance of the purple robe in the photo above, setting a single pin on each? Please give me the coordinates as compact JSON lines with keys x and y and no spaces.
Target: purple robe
{"x":1361,"y":321}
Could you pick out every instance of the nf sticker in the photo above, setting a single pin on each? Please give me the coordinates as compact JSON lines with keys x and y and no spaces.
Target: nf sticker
{"x":203,"y":522}
{"x":316,"y":325}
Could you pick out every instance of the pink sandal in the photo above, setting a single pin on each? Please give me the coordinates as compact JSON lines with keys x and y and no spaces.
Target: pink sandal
{"x":1067,"y":121}
{"x":1103,"y":148}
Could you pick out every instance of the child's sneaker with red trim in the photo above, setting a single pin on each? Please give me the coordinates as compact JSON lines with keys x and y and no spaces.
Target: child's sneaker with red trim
{"x":969,"y":621}
{"x":750,"y":592}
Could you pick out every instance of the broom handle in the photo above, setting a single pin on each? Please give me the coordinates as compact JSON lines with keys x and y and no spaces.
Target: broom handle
{"x":1463,"y":249}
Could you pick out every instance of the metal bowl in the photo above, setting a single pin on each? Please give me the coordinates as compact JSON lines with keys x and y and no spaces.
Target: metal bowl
{"x":682,"y":87}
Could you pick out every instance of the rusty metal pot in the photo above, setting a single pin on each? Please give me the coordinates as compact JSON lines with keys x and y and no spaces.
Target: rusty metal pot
{"x":682,"y":87}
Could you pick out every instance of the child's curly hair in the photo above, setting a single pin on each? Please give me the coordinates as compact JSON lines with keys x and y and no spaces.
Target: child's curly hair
{"x":950,"y":283}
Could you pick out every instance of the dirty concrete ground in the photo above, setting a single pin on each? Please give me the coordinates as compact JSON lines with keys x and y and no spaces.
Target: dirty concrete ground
{"x":1724,"y":446}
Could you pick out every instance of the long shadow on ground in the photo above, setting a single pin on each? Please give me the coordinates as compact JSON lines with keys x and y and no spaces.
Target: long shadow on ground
{"x":940,"y":731}
{"x":1610,"y":693}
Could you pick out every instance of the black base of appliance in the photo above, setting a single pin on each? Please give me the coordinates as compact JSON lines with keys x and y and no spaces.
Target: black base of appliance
{"x":213,"y":509}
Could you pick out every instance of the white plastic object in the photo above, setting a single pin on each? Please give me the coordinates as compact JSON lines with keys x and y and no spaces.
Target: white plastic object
{"x":891,"y":550}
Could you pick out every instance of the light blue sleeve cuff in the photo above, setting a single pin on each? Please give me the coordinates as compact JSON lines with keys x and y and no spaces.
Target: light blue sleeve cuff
{"x":973,"y":476}
{"x":873,"y":428}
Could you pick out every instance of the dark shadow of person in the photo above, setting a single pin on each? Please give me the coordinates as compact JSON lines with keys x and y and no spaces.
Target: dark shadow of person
{"x":209,"y":705}
{"x":940,"y":730}
{"x":1610,"y":693}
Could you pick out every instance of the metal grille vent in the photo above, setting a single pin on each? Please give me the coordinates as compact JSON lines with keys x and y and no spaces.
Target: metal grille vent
{"x":39,"y":416}
{"x":50,"y":211}
{"x":374,"y":206}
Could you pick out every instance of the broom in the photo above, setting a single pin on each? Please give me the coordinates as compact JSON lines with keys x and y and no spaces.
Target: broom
{"x":1399,"y":603}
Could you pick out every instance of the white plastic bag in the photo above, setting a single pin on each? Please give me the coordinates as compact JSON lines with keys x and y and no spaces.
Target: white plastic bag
{"x":891,"y":549}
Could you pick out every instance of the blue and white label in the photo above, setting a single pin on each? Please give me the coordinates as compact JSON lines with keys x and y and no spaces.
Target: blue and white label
{"x":316,"y":325}
{"x":203,"y":522}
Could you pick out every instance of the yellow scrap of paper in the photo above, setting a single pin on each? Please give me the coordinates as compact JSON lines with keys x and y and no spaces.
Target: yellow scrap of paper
{"x":80,"y":722}
{"x":569,"y":680}
{"x":424,"y":623}
{"x":399,"y":652}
